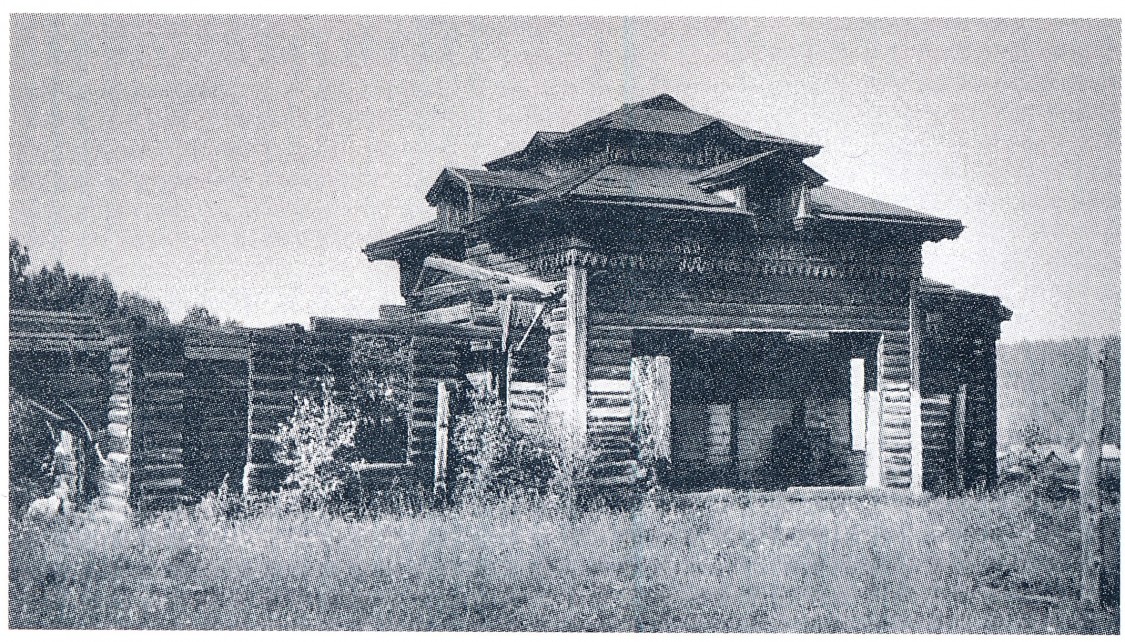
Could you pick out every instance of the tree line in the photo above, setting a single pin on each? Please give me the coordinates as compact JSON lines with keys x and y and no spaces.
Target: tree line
{"x":55,"y":289}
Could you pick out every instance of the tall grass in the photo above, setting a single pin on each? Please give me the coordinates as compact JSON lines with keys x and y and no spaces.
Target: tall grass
{"x":992,"y":564}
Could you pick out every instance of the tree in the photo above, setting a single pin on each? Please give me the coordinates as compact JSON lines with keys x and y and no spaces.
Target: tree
{"x":132,"y":305}
{"x":199,"y":317}
{"x":56,"y":290}
{"x":18,"y":260}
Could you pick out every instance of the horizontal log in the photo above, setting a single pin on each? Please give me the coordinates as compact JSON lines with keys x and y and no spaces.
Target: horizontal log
{"x":616,"y":411}
{"x":265,"y":477}
{"x":614,"y":469}
{"x":267,"y":398}
{"x":163,"y":379}
{"x":688,"y":317}
{"x":405,"y":328}
{"x":217,"y":353}
{"x":458,"y":313}
{"x":229,"y":441}
{"x":159,"y":456}
{"x":608,"y":372}
{"x":63,"y":345}
{"x":435,"y":371}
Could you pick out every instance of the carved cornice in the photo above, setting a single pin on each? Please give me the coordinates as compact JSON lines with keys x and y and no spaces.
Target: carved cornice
{"x":764,"y":264}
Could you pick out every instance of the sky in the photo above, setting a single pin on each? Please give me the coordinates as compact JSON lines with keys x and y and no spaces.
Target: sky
{"x":242,"y":162}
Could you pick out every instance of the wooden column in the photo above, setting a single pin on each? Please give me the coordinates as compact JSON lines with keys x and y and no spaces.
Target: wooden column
{"x":651,"y":379}
{"x":441,"y":448}
{"x":959,"y":410}
{"x":434,"y":360}
{"x":1089,"y":487}
{"x":576,"y":349}
{"x":873,"y":464}
{"x":916,"y":440}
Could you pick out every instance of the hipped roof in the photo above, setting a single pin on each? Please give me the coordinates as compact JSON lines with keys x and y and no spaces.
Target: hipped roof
{"x":661,"y":114}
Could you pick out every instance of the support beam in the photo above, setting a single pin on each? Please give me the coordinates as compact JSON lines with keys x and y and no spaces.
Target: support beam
{"x":441,"y":447}
{"x":1089,"y":476}
{"x":576,"y":348}
{"x":959,"y":412}
{"x":916,"y":326}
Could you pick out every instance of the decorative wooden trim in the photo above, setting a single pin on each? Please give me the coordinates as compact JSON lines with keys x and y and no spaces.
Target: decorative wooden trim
{"x":701,"y":264}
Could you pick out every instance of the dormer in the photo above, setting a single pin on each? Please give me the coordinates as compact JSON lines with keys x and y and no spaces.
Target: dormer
{"x":771,"y":185}
{"x":464,"y":195}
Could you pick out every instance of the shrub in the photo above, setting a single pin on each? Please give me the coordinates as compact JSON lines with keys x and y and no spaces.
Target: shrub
{"x":310,"y":443}
{"x":31,"y":447}
{"x":377,"y":397}
{"x":491,"y":457}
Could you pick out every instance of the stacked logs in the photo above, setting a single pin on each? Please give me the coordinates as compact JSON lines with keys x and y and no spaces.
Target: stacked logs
{"x":980,"y":425}
{"x":157,"y":444}
{"x":894,"y":391}
{"x":609,"y":407}
{"x":217,"y":389}
{"x":527,"y":376}
{"x":114,"y":442}
{"x":938,"y":467}
{"x":273,"y":384}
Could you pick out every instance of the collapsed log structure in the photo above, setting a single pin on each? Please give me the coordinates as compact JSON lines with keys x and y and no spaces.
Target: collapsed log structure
{"x":657,"y":255}
{"x":175,"y":412}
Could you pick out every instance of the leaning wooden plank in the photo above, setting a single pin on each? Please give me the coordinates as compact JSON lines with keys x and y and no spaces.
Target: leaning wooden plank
{"x":543,"y":288}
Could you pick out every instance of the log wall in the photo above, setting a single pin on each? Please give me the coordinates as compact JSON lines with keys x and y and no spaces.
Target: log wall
{"x":158,"y":420}
{"x":114,"y":474}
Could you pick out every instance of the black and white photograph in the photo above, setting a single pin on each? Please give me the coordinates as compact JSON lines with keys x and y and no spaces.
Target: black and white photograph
{"x":481,"y":323}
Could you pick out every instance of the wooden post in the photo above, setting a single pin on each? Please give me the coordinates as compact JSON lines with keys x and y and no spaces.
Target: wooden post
{"x":441,"y":448}
{"x":915,"y":390}
{"x":576,"y":342}
{"x":1089,"y":476}
{"x":959,"y":411}
{"x":873,"y":459}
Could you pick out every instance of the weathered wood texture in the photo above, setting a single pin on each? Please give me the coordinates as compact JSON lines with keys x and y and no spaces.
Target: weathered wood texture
{"x":114,"y":472}
{"x":651,"y":389}
{"x":894,"y":409}
{"x":273,"y":383}
{"x":217,"y":391}
{"x":158,"y":419}
{"x":441,"y":451}
{"x":1089,"y":487}
{"x":434,"y":361}
{"x":939,"y":466}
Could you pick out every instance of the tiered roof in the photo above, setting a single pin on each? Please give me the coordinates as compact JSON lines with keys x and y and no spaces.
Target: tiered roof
{"x":617,"y":182}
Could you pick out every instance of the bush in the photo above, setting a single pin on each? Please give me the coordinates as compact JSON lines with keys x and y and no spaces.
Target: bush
{"x":493,"y":458}
{"x":311,"y":441}
{"x":31,"y":448}
{"x":377,"y":397}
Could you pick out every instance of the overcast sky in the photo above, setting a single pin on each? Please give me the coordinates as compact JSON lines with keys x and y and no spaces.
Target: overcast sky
{"x":242,"y":162}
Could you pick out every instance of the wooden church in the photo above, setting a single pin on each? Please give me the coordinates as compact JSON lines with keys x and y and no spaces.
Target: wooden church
{"x":671,"y":287}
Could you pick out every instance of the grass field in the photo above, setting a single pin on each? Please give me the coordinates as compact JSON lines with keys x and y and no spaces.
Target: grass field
{"x":993,"y":564}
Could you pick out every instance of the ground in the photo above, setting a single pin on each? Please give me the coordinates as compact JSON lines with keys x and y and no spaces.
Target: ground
{"x":1000,"y":563}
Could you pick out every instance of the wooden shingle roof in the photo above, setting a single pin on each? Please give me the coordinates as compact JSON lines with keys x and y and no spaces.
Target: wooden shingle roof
{"x":661,"y":114}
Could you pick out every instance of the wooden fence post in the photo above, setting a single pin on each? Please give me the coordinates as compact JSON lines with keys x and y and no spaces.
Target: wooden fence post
{"x":1089,"y":476}
{"x":441,"y":447}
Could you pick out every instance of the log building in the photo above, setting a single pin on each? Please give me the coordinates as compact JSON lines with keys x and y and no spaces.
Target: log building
{"x":672,"y":287}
